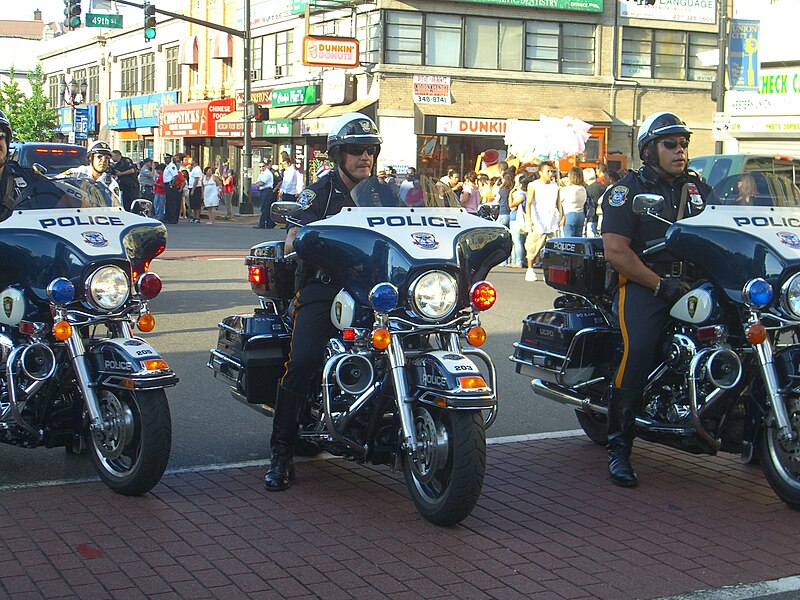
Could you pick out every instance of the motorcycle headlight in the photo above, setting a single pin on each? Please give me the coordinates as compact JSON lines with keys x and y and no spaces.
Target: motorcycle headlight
{"x":434,"y":295}
{"x":108,"y":287}
{"x":790,"y":295}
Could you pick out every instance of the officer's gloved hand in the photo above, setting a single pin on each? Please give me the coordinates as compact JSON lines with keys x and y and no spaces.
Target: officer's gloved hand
{"x":670,"y":289}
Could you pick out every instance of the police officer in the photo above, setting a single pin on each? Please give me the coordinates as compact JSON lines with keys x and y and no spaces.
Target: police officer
{"x":99,"y":156}
{"x":353,"y":144}
{"x":17,"y":182}
{"x":648,"y":285}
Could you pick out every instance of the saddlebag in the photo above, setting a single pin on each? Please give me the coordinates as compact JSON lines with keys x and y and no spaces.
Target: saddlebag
{"x":251,"y":351}
{"x":575,"y":265}
{"x":565,"y":346}
{"x":270,"y":274}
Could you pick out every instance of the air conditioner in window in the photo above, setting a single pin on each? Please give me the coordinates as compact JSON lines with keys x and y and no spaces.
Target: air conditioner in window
{"x":254,"y":75}
{"x":278,"y":72}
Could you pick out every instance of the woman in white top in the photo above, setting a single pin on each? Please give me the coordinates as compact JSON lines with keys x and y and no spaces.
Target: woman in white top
{"x":212,"y":188}
{"x":573,"y":199}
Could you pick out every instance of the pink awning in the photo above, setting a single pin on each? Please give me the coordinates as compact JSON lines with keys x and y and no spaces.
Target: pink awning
{"x":187,"y":55}
{"x":222,"y":45}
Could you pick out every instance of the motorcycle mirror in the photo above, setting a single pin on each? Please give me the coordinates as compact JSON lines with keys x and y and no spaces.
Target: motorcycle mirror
{"x":284,"y":213}
{"x":648,"y":204}
{"x":39,"y":168}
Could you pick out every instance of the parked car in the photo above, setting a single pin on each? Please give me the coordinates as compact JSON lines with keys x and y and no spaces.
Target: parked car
{"x":54,"y":157}
{"x":761,"y":188}
{"x":716,"y":167}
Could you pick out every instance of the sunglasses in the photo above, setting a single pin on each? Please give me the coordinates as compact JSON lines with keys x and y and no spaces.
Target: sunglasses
{"x":670,"y":144}
{"x":3,"y":135}
{"x":356,"y":150}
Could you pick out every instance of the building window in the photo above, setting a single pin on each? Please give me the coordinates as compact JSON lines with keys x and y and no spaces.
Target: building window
{"x":79,"y":76}
{"x":403,"y":38}
{"x":54,"y":91}
{"x":148,"y":73}
{"x":173,"y":68}
{"x":489,"y":43}
{"x":129,"y":76}
{"x":660,"y":54}
{"x":284,"y":52}
{"x":368,"y":34}
{"x":443,"y":40}
{"x":93,"y":91}
{"x":257,"y":59}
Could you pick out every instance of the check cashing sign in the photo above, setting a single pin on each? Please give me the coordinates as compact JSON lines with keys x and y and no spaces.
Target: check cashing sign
{"x":579,"y":5}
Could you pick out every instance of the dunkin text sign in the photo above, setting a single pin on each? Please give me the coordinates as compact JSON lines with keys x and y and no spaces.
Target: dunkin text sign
{"x":330,"y":51}
{"x":462,"y":126}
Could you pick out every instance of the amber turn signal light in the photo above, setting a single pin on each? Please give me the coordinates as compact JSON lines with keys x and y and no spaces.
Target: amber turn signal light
{"x":381,"y":338}
{"x":476,"y":336}
{"x":756,"y":333}
{"x":146,"y":322}
{"x":62,"y":330}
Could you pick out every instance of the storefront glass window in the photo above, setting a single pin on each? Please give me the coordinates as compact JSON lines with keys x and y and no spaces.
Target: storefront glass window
{"x":443,"y":41}
{"x":403,"y":38}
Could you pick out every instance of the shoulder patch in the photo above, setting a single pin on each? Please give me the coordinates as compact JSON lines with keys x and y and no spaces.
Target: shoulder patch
{"x":306,"y":198}
{"x":618,"y":196}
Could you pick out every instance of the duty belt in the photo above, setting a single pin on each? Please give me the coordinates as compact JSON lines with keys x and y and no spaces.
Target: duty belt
{"x":668,"y":269}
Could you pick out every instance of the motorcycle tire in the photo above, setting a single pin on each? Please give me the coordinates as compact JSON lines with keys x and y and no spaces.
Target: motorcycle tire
{"x":131,"y":454}
{"x":781,"y":470}
{"x":594,"y":425}
{"x":446,"y":478}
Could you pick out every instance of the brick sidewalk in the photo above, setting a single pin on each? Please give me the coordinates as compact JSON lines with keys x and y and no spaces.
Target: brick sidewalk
{"x":548,"y":525}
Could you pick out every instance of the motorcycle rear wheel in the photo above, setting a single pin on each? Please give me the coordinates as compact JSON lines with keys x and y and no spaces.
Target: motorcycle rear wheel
{"x":446,"y":478}
{"x":594,"y":425}
{"x":131,"y":454}
{"x":780,"y":461}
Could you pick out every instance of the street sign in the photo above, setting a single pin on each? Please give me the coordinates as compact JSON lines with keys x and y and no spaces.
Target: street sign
{"x":111,"y":21}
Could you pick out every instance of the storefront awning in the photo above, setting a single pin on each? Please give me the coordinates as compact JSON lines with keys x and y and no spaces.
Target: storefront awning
{"x":187,"y":55}
{"x":221,"y":45}
{"x":318,"y":111}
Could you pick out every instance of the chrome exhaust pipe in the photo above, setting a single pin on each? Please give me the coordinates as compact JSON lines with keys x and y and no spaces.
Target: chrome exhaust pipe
{"x":562,"y":396}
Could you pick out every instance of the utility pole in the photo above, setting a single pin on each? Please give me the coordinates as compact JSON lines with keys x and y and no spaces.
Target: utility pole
{"x":722,"y":43}
{"x":245,"y":181}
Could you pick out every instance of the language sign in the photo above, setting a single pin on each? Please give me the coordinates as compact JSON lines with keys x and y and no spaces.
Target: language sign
{"x":688,"y":11}
{"x":110,"y":21}
{"x":579,"y":5}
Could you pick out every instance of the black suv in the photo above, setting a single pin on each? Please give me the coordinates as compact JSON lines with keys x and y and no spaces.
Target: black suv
{"x":56,"y":158}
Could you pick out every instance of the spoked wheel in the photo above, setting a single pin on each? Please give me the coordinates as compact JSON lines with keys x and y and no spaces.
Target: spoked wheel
{"x":445,"y":477}
{"x":131,"y":451}
{"x":594,"y":425}
{"x":780,"y":459}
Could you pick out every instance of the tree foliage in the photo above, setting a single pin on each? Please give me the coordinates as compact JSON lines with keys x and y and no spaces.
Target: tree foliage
{"x":31,"y":117}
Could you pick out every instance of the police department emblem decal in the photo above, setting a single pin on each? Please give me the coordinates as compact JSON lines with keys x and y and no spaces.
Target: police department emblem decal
{"x":95,"y":239}
{"x":790,"y":239}
{"x":424,"y":240}
{"x":8,"y":305}
{"x":618,"y":196}
{"x":691,"y":305}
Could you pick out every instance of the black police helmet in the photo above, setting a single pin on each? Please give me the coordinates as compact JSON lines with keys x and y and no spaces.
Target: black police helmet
{"x":658,"y":125}
{"x":352,"y":128}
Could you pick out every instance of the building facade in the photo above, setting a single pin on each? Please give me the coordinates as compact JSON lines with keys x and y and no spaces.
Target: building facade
{"x":444,"y":79}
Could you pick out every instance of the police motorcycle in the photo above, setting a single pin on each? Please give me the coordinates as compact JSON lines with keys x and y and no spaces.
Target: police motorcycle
{"x":75,"y":281}
{"x":728,"y":379}
{"x":405,"y":382}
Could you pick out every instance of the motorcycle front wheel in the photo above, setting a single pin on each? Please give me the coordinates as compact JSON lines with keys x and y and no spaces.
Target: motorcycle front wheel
{"x":445,"y":477}
{"x":131,"y":452}
{"x":780,"y":460}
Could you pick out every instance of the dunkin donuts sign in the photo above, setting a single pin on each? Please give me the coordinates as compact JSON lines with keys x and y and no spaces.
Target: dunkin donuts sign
{"x":462,"y":126}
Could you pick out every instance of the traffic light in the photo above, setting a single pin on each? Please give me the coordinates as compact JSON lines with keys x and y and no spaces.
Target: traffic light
{"x":149,"y":22}
{"x":72,"y":14}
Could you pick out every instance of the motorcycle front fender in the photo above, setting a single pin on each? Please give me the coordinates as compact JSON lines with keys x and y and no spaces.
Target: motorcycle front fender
{"x":129,"y":363}
{"x":451,"y":380}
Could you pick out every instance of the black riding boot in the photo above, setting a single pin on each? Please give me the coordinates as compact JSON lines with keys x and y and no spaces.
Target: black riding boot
{"x":284,"y":435}
{"x":621,"y":417}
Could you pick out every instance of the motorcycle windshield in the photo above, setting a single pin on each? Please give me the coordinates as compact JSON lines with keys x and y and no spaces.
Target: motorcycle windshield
{"x":365,"y":245}
{"x":63,"y":228}
{"x":733,"y":244}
